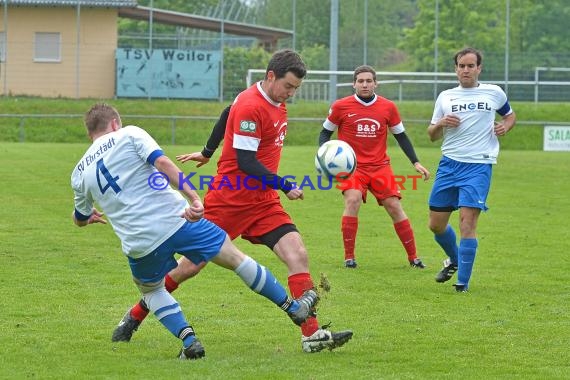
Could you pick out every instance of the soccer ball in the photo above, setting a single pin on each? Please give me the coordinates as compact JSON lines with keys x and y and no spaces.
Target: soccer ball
{"x":335,"y":159}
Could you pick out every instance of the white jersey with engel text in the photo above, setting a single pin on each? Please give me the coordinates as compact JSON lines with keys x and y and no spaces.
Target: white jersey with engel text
{"x":115,"y":174}
{"x":474,"y":140}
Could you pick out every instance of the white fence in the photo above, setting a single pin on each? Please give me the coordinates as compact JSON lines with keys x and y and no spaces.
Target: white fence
{"x":415,"y":85}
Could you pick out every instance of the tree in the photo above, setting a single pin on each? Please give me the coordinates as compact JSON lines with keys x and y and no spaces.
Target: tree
{"x":385,"y":20}
{"x":477,"y":23}
{"x":538,"y":35}
{"x":236,"y":63}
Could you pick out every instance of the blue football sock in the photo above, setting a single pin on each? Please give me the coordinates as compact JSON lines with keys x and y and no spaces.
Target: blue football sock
{"x":168,"y":312}
{"x":261,"y":280}
{"x":448,"y":241}
{"x":467,"y":250}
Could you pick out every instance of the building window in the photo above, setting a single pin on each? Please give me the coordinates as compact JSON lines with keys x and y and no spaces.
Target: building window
{"x":47,"y":47}
{"x":2,"y":47}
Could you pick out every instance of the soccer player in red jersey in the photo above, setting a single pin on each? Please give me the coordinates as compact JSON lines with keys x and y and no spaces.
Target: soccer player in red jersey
{"x":363,"y":121}
{"x":242,"y":198}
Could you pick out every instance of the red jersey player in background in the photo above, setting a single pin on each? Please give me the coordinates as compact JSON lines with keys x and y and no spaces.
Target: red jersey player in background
{"x":363,"y":120}
{"x":242,"y":199}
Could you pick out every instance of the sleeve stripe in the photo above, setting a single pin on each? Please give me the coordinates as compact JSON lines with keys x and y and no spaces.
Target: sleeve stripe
{"x":398,"y":128}
{"x":505,"y":109}
{"x":80,"y":216}
{"x":329,"y":125}
{"x":246,"y":142}
{"x":154,"y":155}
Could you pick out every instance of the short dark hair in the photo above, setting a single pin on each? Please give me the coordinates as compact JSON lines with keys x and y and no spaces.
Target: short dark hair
{"x":364,"y":69}
{"x":99,"y":116}
{"x":284,"y":61}
{"x":468,"y":50}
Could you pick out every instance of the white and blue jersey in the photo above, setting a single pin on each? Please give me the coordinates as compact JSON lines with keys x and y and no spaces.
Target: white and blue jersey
{"x":114,"y":173}
{"x":474,"y":141}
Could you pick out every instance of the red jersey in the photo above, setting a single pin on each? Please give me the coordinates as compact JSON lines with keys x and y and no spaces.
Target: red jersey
{"x":255,"y":123}
{"x":365,"y":127}
{"x":237,"y":203}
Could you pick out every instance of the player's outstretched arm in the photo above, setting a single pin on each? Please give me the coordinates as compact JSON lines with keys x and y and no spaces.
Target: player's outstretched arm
{"x":423,"y":171}
{"x":408,"y":149}
{"x":195,"y":156}
{"x":196,"y":209}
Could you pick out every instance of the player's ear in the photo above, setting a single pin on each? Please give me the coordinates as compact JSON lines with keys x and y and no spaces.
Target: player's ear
{"x":271,"y":75}
{"x":116,"y":124}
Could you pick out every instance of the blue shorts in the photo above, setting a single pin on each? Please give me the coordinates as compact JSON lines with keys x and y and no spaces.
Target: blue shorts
{"x":199,"y":241}
{"x":460,"y":184}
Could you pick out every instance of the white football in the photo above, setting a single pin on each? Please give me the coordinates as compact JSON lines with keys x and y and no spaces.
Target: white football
{"x":336,"y":159}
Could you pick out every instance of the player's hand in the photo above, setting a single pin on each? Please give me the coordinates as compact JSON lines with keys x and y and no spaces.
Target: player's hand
{"x":295,"y":193}
{"x":194,"y":212}
{"x":500,"y":129}
{"x":196,"y":156}
{"x":450,"y":121}
{"x":423,"y":171}
{"x":96,"y":217}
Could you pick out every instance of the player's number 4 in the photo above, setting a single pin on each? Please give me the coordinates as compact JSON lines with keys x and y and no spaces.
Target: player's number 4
{"x":111,"y":181}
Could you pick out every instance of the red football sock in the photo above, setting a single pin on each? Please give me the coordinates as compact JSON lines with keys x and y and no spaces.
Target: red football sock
{"x":170,"y":284}
{"x":140,"y":311}
{"x":298,"y":284}
{"x":406,"y":235}
{"x":349,"y":227}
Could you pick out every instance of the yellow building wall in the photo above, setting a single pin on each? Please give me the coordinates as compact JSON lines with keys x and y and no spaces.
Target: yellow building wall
{"x":86,"y":70}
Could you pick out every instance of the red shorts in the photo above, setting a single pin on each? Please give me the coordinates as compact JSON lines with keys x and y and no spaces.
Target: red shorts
{"x":244,"y":212}
{"x":380,"y":181}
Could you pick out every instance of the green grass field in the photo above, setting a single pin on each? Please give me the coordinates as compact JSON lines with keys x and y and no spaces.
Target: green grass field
{"x":65,"y":288}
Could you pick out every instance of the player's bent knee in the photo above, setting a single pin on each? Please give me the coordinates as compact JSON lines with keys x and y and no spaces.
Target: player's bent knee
{"x":147,"y":287}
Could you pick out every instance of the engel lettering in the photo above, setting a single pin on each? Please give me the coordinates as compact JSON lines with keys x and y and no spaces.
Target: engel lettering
{"x":480,"y":106}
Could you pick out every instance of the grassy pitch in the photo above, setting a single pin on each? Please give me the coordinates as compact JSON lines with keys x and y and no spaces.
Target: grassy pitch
{"x":65,"y":288}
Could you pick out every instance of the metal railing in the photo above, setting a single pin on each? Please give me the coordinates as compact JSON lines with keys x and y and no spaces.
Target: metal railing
{"x":174,"y":121}
{"x":318,"y":89}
